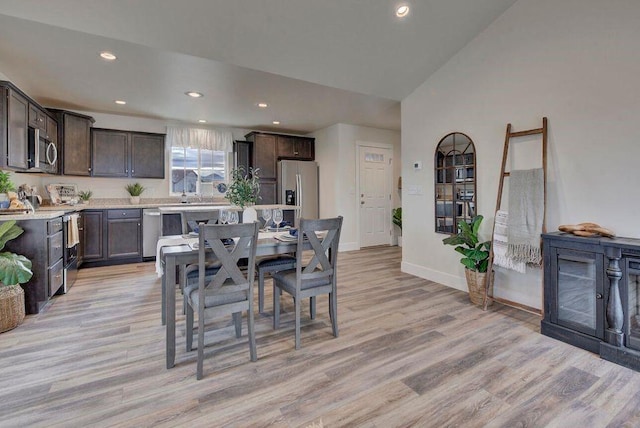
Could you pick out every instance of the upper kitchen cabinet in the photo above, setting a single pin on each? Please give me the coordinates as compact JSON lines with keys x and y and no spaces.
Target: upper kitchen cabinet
{"x":14,"y":135}
{"x":298,"y":148}
{"x":127,"y":154}
{"x":74,"y":137}
{"x":265,"y":154}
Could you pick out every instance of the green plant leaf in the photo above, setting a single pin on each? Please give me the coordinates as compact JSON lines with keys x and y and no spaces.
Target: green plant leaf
{"x":8,"y":231}
{"x":14,"y":269}
{"x":470,"y":264}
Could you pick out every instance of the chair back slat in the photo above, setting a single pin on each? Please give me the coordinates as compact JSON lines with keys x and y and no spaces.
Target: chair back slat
{"x":198,"y":217}
{"x":229,"y":275}
{"x":324,"y":236}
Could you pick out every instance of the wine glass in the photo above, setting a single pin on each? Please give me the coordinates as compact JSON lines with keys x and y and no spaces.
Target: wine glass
{"x":277,"y":217}
{"x":233,"y":217}
{"x":224,"y":216}
{"x":266,"y":215}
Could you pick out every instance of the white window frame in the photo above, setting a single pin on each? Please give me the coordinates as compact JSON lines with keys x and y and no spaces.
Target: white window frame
{"x":199,"y":192}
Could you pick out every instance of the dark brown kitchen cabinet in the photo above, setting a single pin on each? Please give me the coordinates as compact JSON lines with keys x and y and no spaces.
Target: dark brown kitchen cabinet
{"x":80,"y":253}
{"x":37,"y":118}
{"x":92,"y":248}
{"x":265,"y":158}
{"x":14,"y":114}
{"x":41,"y":242}
{"x":127,"y":154}
{"x":298,"y":148}
{"x":74,"y":139}
{"x":124,"y":234}
{"x":112,"y":237}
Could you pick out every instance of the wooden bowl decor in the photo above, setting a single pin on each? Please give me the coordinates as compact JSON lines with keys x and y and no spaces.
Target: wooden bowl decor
{"x":587,"y":229}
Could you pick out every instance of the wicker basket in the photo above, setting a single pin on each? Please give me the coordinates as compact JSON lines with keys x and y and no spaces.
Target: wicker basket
{"x":11,"y":307}
{"x":475,"y":283}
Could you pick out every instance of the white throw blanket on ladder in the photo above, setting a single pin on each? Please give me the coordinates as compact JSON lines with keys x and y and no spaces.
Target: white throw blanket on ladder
{"x":526,"y":214}
{"x":500,"y":244}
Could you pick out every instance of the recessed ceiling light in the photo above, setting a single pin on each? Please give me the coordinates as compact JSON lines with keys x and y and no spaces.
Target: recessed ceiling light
{"x":194,"y":94}
{"x":202,"y":121}
{"x":108,"y":56}
{"x":402,"y":11}
{"x":276,"y":122}
{"x":263,"y":105}
{"x":121,"y":102}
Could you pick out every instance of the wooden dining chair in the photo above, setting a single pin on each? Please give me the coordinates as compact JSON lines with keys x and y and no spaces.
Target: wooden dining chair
{"x":314,"y":278}
{"x":230,"y":289}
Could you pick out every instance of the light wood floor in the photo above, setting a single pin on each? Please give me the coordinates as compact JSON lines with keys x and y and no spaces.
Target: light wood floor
{"x":410,"y":353}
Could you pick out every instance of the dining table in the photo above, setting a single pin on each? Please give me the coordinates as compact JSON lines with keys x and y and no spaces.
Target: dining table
{"x":177,"y":251}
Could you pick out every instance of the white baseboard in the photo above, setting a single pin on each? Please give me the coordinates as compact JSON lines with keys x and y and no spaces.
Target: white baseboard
{"x":348,"y":246}
{"x":459,"y":283}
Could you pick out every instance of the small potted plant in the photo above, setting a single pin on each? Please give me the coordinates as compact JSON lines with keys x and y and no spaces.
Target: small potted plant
{"x":476,"y":256}
{"x":15,"y":269}
{"x":243,"y":191}
{"x":6,"y":185}
{"x":135,"y":190}
{"x":85,"y":195}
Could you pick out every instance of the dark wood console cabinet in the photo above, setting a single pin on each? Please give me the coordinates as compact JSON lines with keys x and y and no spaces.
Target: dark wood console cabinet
{"x":592,"y":295}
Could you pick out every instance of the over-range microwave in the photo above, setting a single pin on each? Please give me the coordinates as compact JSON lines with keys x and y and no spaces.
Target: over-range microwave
{"x":43,"y":153}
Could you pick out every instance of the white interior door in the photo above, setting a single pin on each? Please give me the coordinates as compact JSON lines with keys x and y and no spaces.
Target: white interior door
{"x":375,"y":195}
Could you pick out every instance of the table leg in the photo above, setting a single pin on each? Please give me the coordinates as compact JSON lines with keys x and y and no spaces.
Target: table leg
{"x":170,"y":302}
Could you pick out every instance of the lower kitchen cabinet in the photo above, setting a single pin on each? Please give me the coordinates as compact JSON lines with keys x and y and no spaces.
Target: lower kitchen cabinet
{"x":112,"y":237}
{"x":46,"y":258}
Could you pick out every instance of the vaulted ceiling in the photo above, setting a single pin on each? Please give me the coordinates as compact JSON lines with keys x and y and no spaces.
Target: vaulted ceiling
{"x":314,"y":62}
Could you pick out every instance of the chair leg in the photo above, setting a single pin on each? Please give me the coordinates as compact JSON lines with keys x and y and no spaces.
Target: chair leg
{"x":276,"y":307}
{"x":189,"y":322}
{"x":297,"y":305}
{"x":252,"y":335}
{"x":260,"y":291}
{"x":199,"y":371}
{"x":312,"y":307}
{"x":333,"y":312}
{"x":237,"y":319}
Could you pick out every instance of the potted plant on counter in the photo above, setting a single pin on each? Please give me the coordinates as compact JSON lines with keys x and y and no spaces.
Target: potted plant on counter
{"x":135,"y":190}
{"x":476,"y":256}
{"x":85,"y":195}
{"x":244,"y":191}
{"x":15,"y":269}
{"x":6,"y":186}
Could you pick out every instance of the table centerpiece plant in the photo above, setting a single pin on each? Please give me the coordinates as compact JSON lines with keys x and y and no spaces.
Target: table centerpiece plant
{"x":244,"y":191}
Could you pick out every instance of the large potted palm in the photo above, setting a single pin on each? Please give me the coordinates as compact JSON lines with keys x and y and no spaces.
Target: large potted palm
{"x":475,"y":256}
{"x":15,"y":269}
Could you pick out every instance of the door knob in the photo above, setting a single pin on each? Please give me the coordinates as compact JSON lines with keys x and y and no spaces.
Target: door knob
{"x":598,"y":295}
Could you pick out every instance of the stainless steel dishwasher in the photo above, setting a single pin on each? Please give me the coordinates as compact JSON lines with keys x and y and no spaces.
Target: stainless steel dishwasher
{"x":150,"y":231}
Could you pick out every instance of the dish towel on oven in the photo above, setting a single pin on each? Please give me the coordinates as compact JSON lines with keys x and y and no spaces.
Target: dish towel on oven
{"x":73,"y":234}
{"x":526,"y":213}
{"x":500,"y":244}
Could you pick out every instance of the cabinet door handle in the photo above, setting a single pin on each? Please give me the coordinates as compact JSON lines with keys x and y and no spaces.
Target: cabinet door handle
{"x":598,"y":295}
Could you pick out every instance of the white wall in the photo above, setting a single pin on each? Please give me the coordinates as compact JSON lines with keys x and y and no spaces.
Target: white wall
{"x":576,"y":62}
{"x":336,"y":156}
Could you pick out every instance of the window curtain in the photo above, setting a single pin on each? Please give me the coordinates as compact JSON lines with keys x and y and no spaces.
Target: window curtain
{"x":197,"y":138}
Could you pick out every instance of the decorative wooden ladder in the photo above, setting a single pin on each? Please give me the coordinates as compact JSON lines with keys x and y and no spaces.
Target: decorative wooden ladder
{"x":503,"y":174}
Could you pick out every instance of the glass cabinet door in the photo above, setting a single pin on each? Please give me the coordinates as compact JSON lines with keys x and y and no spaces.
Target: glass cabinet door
{"x":579,"y":291}
{"x":632,"y":322}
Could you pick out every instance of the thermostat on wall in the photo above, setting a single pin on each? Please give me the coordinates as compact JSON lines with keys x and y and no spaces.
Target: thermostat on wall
{"x":417,"y":165}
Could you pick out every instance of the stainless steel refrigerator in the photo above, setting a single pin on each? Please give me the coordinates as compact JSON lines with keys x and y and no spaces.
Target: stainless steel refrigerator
{"x":298,"y":185}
